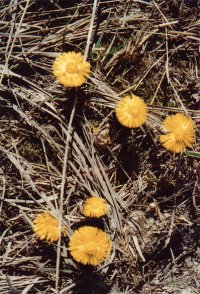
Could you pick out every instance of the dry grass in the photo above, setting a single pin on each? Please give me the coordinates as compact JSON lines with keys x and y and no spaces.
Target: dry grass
{"x":51,"y":158}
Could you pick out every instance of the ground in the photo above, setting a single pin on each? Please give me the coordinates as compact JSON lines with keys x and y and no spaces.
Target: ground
{"x":58,"y":145}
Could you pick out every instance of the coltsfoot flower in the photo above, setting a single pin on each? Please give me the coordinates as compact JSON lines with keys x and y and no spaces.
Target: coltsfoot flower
{"x":131,"y":111}
{"x":90,"y":245}
{"x":180,"y":133}
{"x":45,"y":226}
{"x":95,"y":207}
{"x":71,"y":69}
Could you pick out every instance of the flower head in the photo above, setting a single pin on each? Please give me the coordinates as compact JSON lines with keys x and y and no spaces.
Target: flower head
{"x":95,"y":207}
{"x":131,"y":111}
{"x":71,"y":69}
{"x":90,"y":245}
{"x":180,"y":133}
{"x":46,"y":227}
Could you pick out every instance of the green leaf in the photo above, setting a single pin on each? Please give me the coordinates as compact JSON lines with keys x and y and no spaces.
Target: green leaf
{"x":193,"y":154}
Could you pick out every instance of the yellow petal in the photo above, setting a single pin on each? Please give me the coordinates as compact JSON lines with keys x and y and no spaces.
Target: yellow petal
{"x":89,"y":245}
{"x":95,"y":207}
{"x":71,"y":69}
{"x":131,"y":111}
{"x":180,"y":133}
{"x":45,"y":226}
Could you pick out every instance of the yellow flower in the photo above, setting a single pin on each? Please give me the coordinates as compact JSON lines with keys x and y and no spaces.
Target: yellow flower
{"x":95,"y":207}
{"x":45,"y":226}
{"x":131,"y":111}
{"x":180,"y":133}
{"x":71,"y":69}
{"x":89,"y":245}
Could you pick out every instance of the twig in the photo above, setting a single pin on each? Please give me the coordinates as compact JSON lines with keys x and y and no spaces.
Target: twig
{"x":12,"y":290}
{"x":62,"y":191}
{"x":90,"y":29}
{"x":137,"y":246}
{"x":13,"y":42}
{"x":177,"y":96}
{"x":170,"y":229}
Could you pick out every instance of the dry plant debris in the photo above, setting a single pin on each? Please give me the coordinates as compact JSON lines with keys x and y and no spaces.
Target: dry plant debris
{"x":60,"y":143}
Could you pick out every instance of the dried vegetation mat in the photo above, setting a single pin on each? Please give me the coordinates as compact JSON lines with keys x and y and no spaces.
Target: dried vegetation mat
{"x":59,"y":146}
